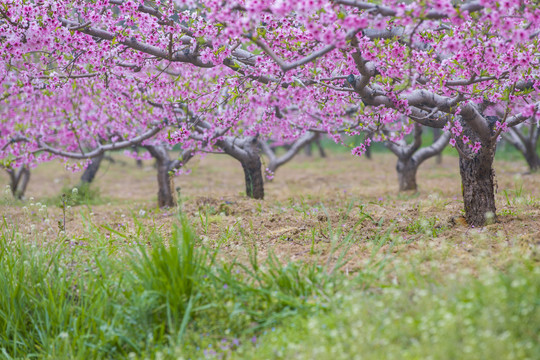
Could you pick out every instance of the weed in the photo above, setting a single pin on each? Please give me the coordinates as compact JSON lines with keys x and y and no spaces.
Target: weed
{"x":428,"y":226}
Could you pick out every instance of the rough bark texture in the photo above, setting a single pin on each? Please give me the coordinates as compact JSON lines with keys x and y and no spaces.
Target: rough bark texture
{"x":252,"y":171}
{"x":254,"y":177}
{"x":166,"y":193}
{"x":406,"y":170}
{"x":477,"y":179}
{"x":90,"y":172}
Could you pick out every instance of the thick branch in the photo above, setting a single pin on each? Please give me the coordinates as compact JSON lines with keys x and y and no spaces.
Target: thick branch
{"x":178,"y":56}
{"x":433,"y":149}
{"x":388,"y":11}
{"x":313,"y":56}
{"x":476,"y":121}
{"x":293,"y":150}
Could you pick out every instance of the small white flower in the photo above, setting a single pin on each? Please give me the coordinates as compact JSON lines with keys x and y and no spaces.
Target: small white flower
{"x":142,"y":212}
{"x":63,"y":335}
{"x":75,"y":191}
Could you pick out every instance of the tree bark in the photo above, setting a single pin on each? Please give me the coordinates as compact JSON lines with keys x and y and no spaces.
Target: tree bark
{"x":411,"y":156}
{"x":166,"y":192}
{"x":90,"y":172}
{"x":526,"y":144}
{"x":19,"y":181}
{"x":318,"y":143}
{"x":406,"y":170}
{"x":253,"y":176}
{"x":532,"y":159}
{"x":308,"y":151}
{"x":24,"y":179}
{"x":477,"y":179}
{"x":246,"y":151}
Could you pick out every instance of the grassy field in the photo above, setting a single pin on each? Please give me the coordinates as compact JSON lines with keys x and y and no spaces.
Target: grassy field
{"x":334,"y":263}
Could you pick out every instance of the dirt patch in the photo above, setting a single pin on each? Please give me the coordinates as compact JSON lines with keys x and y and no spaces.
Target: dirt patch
{"x":314,"y":209}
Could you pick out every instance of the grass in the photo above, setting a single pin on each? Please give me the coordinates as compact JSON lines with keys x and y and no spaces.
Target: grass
{"x":345,"y":267}
{"x":62,"y":301}
{"x":494,"y":316}
{"x":174,"y":297}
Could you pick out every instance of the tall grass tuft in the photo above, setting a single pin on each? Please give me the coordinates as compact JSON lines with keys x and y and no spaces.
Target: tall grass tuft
{"x":167,"y":295}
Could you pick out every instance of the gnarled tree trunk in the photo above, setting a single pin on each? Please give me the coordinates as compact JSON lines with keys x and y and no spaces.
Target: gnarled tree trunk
{"x":167,"y":196}
{"x":246,"y":151}
{"x":411,"y":156}
{"x":477,"y":178}
{"x":253,"y":176}
{"x":166,"y":193}
{"x":406,"y":170}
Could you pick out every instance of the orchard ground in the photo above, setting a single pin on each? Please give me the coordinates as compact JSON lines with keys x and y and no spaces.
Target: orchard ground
{"x":341,"y":215}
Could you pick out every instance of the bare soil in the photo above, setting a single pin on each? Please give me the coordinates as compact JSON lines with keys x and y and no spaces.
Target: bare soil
{"x":312,"y":207}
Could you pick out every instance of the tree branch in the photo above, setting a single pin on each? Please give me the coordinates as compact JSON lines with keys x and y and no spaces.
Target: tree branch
{"x":375,"y":9}
{"x":432,"y":150}
{"x":313,"y":56}
{"x":100,"y":149}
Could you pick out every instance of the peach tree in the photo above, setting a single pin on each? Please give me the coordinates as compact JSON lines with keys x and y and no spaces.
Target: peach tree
{"x":272,"y":69}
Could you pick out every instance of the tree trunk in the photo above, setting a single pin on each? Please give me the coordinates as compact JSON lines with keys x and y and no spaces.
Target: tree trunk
{"x":531,"y":157}
{"x":526,"y":144}
{"x":166,"y":191}
{"x":532,"y":160}
{"x":90,"y":172}
{"x":24,"y":179}
{"x":317,"y":141}
{"x":478,"y":182}
{"x":308,"y":150}
{"x":166,"y":194}
{"x":246,"y":151}
{"x":253,"y":175}
{"x":19,"y":181}
{"x":406,"y":170}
